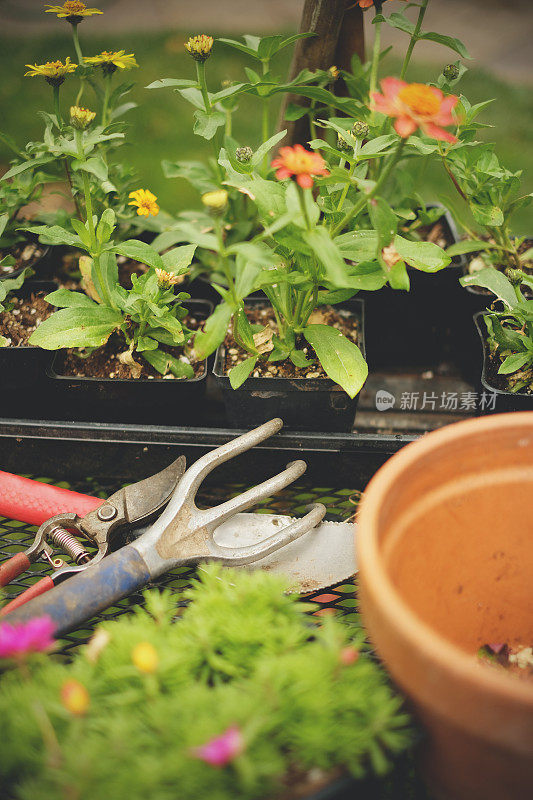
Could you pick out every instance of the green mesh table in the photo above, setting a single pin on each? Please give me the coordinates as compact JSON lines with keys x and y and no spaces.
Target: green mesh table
{"x":16,"y":536}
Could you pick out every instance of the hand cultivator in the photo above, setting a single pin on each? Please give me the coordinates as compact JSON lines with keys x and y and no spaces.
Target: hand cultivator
{"x":182,"y":534}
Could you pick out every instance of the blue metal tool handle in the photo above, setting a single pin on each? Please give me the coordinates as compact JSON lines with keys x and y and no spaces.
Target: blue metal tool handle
{"x":82,"y":596}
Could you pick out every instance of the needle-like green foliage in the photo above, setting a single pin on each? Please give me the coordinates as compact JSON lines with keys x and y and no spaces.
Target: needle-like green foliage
{"x":244,"y":656}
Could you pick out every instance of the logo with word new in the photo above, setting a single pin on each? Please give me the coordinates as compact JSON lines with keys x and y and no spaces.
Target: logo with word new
{"x":384,"y":400}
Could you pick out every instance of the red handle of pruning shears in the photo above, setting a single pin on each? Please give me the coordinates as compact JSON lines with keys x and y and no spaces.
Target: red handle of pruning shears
{"x":34,"y":502}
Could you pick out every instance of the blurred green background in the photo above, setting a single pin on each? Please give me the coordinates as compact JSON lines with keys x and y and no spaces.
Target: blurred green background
{"x":161,"y":127}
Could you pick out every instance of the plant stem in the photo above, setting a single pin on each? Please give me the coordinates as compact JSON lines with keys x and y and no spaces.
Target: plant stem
{"x":202,"y":84}
{"x":414,"y":38}
{"x":90,"y":224}
{"x":77,"y":47}
{"x":224,"y":258}
{"x":358,"y":207}
{"x":375,"y":58}
{"x":74,"y":196}
{"x":345,"y":190}
{"x":265,"y":127}
{"x":57,"y":109}
{"x":105,"y":104}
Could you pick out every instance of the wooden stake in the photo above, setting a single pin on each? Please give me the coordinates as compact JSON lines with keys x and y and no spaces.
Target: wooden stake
{"x":338,"y":25}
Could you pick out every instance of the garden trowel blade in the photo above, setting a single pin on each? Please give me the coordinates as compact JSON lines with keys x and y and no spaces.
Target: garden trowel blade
{"x":320,"y":558}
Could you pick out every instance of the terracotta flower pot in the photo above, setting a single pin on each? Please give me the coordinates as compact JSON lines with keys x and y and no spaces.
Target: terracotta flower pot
{"x":445,"y":553}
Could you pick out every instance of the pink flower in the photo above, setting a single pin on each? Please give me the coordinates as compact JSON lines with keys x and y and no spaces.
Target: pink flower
{"x":222,"y":749}
{"x":34,"y":636}
{"x":415,"y":105}
{"x":299,"y":163}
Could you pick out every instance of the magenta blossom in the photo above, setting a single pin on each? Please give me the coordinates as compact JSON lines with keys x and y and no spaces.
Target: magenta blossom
{"x":27,"y":637}
{"x":222,"y":749}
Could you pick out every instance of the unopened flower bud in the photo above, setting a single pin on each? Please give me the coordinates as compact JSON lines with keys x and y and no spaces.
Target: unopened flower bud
{"x":342,"y":144}
{"x":515,"y":276}
{"x":244,"y":154}
{"x":166,"y":279}
{"x":145,"y":657}
{"x":199,"y":46}
{"x":75,"y":697}
{"x":451,"y":72}
{"x":215,"y":201}
{"x":360,"y":129}
{"x":81,"y":118}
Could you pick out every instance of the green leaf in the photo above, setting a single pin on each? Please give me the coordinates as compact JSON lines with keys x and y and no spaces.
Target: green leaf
{"x":238,"y":374}
{"x":77,"y":327}
{"x":63,"y":298}
{"x":165,"y":363}
{"x":425,"y":256}
{"x":26,"y":165}
{"x":106,"y":226}
{"x":179,"y":257}
{"x":4,"y":219}
{"x":487,"y":215}
{"x":357,"y":245}
{"x":299,"y":359}
{"x":377,"y":145}
{"x":95,"y":165}
{"x":468,"y":246}
{"x":139,"y":251}
{"x":329,"y":255}
{"x":54,"y":234}
{"x":495,"y":281}
{"x":263,"y":149}
{"x":8,"y":285}
{"x":514,"y":362}
{"x":175,"y":83}
{"x":244,"y":330}
{"x":207,"y":341}
{"x":82,"y":231}
{"x":398,"y":277}
{"x":206,"y":125}
{"x":448,"y":41}
{"x":396,"y":20}
{"x":195,"y":172}
{"x":384,"y":221}
{"x":341,"y":359}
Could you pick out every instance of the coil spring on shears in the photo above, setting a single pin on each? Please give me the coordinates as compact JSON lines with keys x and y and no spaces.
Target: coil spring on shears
{"x":63,"y":539}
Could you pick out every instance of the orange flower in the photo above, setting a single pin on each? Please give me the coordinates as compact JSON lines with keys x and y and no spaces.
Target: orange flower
{"x":415,"y":105}
{"x":299,"y":162}
{"x":367,"y":3}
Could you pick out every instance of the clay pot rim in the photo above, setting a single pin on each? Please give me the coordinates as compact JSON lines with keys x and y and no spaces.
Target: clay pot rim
{"x":420,"y":635}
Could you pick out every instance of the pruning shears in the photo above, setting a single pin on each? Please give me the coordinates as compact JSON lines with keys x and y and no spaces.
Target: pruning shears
{"x":100,"y":523}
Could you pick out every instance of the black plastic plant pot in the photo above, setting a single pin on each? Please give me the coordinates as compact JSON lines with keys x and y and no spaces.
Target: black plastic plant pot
{"x":304,"y":404}
{"x":492,"y":400}
{"x":36,"y":263}
{"x":142,"y":400}
{"x":23,"y":369}
{"x":424,"y":326}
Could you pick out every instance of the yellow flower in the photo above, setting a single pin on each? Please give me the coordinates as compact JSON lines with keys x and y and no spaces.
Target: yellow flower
{"x":200,"y":46}
{"x":145,"y":657}
{"x":167,"y":279}
{"x":73,"y":11}
{"x":215,"y":201}
{"x":334,"y":72}
{"x":109,"y":60}
{"x":54,"y":72}
{"x":145,"y":202}
{"x":75,"y":697}
{"x":80,"y":117}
